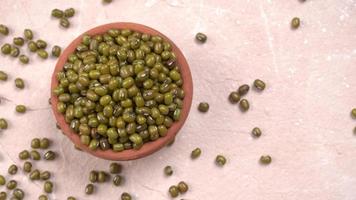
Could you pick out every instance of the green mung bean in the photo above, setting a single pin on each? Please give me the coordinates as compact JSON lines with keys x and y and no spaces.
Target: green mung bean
{"x":115,"y":168}
{"x":19,"y":83}
{"x":42,"y":53}
{"x":12,"y":169}
{"x":49,"y":155}
{"x":244,"y":105}
{"x":69,"y":12}
{"x":3,"y":123}
{"x":57,"y":13}
{"x":21,"y":108}
{"x":3,"y":195}
{"x":353,"y":113}
{"x":28,"y":34}
{"x":12,"y":184}
{"x":19,"y":41}
{"x":71,"y":198}
{"x":234,"y":97}
{"x":45,"y":175}
{"x":168,"y":171}
{"x":2,"y":180}
{"x":35,"y":143}
{"x":35,"y":155}
{"x":48,"y":187}
{"x":27,"y":167}
{"x":35,"y":175}
{"x":15,"y":51}
{"x":64,"y":22}
{"x":220,"y":160}
{"x":18,"y":193}
{"x":32,"y":46}
{"x":3,"y":76}
{"x":4,"y":30}
{"x":203,"y":107}
{"x":295,"y":23}
{"x":89,"y":189}
{"x":260,"y":85}
{"x":43,"y":197}
{"x":265,"y":159}
{"x":182,"y":187}
{"x":56,"y":51}
{"x":24,"y":155}
{"x":44,"y":143}
{"x":117,"y":180}
{"x":6,"y":49}
{"x":126,"y":196}
{"x":243,"y":89}
{"x":256,"y":132}
{"x":195,"y":153}
{"x":201,"y":37}
{"x":173,"y":191}
{"x":24,"y":59}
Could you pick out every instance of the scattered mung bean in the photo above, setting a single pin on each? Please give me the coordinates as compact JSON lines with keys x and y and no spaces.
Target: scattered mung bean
{"x":4,"y":30}
{"x":28,"y":34}
{"x":12,"y":184}
{"x":42,"y":53}
{"x":201,"y":37}
{"x":15,"y":51}
{"x":35,"y":175}
{"x":19,"y":83}
{"x":21,"y":108}
{"x":43,"y":197}
{"x":182,"y":187}
{"x":6,"y":49}
{"x":256,"y":132}
{"x":265,"y":159}
{"x":3,"y":76}
{"x":173,"y":191}
{"x":44,"y":143}
{"x":49,"y":155}
{"x":243,"y":89}
{"x":48,"y":187}
{"x":24,"y":59}
{"x":295,"y":23}
{"x":18,"y":193}
{"x":115,"y":168}
{"x":57,"y":13}
{"x":89,"y":189}
{"x":203,"y":107}
{"x":220,"y":160}
{"x":125,"y":196}
{"x":19,"y":41}
{"x":35,"y":155}
{"x":56,"y":51}
{"x":45,"y":175}
{"x":12,"y":169}
{"x":64,"y":22}
{"x":69,"y":12}
{"x":117,"y":180}
{"x":3,"y":123}
{"x":234,"y":97}
{"x":260,"y":85}
{"x":27,"y":167}
{"x":195,"y":153}
{"x":2,"y":180}
{"x":168,"y":171}
{"x":244,"y":105}
{"x":24,"y":155}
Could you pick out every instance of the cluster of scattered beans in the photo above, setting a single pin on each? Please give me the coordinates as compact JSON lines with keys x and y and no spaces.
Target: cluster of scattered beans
{"x":63,"y":16}
{"x":27,"y":168}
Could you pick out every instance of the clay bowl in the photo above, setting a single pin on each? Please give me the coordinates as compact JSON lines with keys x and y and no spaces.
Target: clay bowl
{"x":147,"y":148}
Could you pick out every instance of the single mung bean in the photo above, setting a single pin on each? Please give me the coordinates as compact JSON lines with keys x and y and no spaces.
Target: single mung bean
{"x":102,"y":176}
{"x":44,"y":143}
{"x":260,"y":85}
{"x":195,"y":153}
{"x":243,"y":89}
{"x":201,"y":37}
{"x":3,"y":76}
{"x":32,"y":46}
{"x":173,"y":191}
{"x":35,"y":143}
{"x":220,"y":160}
{"x":93,"y":176}
{"x":35,"y":155}
{"x":234,"y":97}
{"x":117,"y":180}
{"x":295,"y":23}
{"x":4,"y":29}
{"x":56,"y":51}
{"x":115,"y":168}
{"x":48,"y":187}
{"x":45,"y":175}
{"x":3,"y":195}
{"x":42,"y":53}
{"x":43,"y":197}
{"x":21,"y":108}
{"x":19,"y":83}
{"x":24,"y":155}
{"x":89,"y":189}
{"x":69,"y":12}
{"x":35,"y":175}
{"x":18,"y":193}
{"x":182,"y":187}
{"x":265,"y":159}
{"x":64,"y":22}
{"x":107,"y":1}
{"x":12,"y":169}
{"x":6,"y":49}
{"x":49,"y":155}
{"x":203,"y":107}
{"x":2,"y":180}
{"x":125,"y":196}
{"x":71,"y":198}
{"x":353,"y":113}
{"x":244,"y":105}
{"x":168,"y":171}
{"x":3,"y":123}
{"x":256,"y":132}
{"x":19,"y":41}
{"x":57,"y":13}
{"x":41,"y":44}
{"x":14,"y":52}
{"x":27,"y":167}
{"x":11,"y":185}
{"x":28,"y":34}
{"x":24,"y":59}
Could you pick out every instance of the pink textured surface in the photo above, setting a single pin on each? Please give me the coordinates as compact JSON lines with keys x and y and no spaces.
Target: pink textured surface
{"x":303,"y":113}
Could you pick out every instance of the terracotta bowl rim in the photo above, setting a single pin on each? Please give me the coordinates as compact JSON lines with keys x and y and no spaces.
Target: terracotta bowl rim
{"x":147,"y":148}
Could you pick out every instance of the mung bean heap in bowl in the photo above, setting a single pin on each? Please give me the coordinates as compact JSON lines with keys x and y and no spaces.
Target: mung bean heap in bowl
{"x":121,"y":91}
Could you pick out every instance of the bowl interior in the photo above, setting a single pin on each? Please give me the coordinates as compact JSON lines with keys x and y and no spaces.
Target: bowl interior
{"x":147,"y":148}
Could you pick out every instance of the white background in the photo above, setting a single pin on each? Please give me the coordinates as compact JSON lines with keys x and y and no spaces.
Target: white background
{"x":304,"y":112}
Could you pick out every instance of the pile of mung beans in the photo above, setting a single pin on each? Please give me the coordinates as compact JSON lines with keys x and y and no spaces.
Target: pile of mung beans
{"x":120,"y":89}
